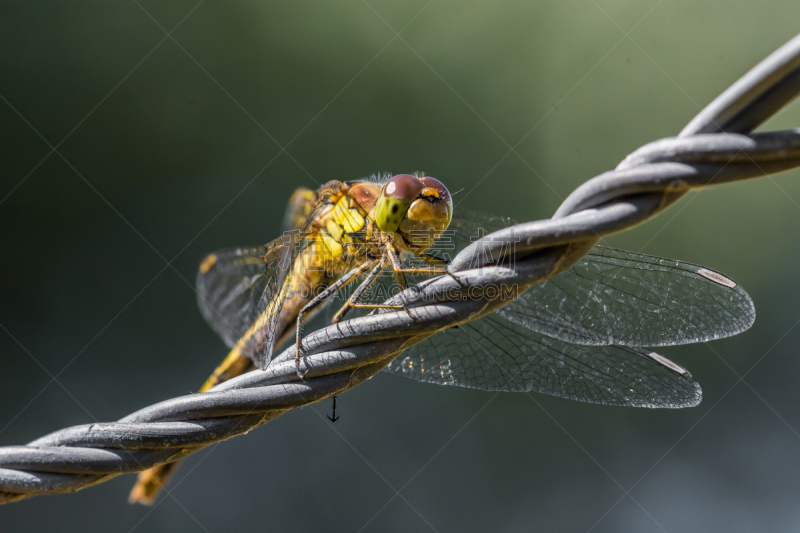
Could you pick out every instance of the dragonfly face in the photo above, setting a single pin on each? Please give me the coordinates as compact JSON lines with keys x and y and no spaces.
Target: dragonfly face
{"x":418,"y":209}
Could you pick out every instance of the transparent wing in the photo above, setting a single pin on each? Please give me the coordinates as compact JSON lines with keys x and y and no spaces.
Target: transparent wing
{"x":468,"y":226}
{"x":493,"y":354}
{"x":238,"y":292}
{"x":616,"y":297}
{"x":301,"y":205}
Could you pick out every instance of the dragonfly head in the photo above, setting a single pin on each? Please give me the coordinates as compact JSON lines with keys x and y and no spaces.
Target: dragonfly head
{"x":419,"y":209}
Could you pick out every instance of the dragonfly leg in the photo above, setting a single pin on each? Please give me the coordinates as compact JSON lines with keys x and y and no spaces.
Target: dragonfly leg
{"x":352,"y":303}
{"x":401,"y":279}
{"x":319,"y":299}
{"x":400,"y":272}
{"x":397,"y":267}
{"x":433,"y":260}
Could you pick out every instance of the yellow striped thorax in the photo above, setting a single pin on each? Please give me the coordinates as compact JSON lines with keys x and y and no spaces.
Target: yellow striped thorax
{"x":353,"y":220}
{"x":346,"y":229}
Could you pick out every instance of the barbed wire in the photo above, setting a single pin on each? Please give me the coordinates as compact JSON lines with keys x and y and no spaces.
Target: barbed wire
{"x":715,"y":147}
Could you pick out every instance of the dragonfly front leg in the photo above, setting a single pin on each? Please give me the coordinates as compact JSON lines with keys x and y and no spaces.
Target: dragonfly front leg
{"x":399,"y":270}
{"x":352,"y":303}
{"x":319,"y":299}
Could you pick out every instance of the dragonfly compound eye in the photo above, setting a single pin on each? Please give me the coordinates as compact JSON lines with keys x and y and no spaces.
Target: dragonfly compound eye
{"x":428,"y":215}
{"x":396,"y":197}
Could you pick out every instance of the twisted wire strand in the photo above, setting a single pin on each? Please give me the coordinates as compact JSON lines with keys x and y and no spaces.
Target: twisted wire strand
{"x":714,"y":148}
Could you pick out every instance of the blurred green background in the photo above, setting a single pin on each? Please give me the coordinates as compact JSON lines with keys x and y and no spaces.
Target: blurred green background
{"x":171,"y":149}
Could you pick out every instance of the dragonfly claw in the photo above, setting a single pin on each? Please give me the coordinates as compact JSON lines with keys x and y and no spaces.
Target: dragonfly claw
{"x":300,"y":373}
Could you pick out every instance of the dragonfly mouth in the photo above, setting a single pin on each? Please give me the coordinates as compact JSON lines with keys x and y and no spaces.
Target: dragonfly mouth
{"x":409,"y":244}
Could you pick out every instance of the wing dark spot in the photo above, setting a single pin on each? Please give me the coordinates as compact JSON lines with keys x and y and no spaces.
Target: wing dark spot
{"x":208,"y":263}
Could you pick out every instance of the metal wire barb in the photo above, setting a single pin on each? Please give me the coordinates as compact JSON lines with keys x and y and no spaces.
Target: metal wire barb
{"x":715,"y":147}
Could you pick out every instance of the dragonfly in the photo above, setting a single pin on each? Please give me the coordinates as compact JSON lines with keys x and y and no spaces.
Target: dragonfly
{"x":585,"y":334}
